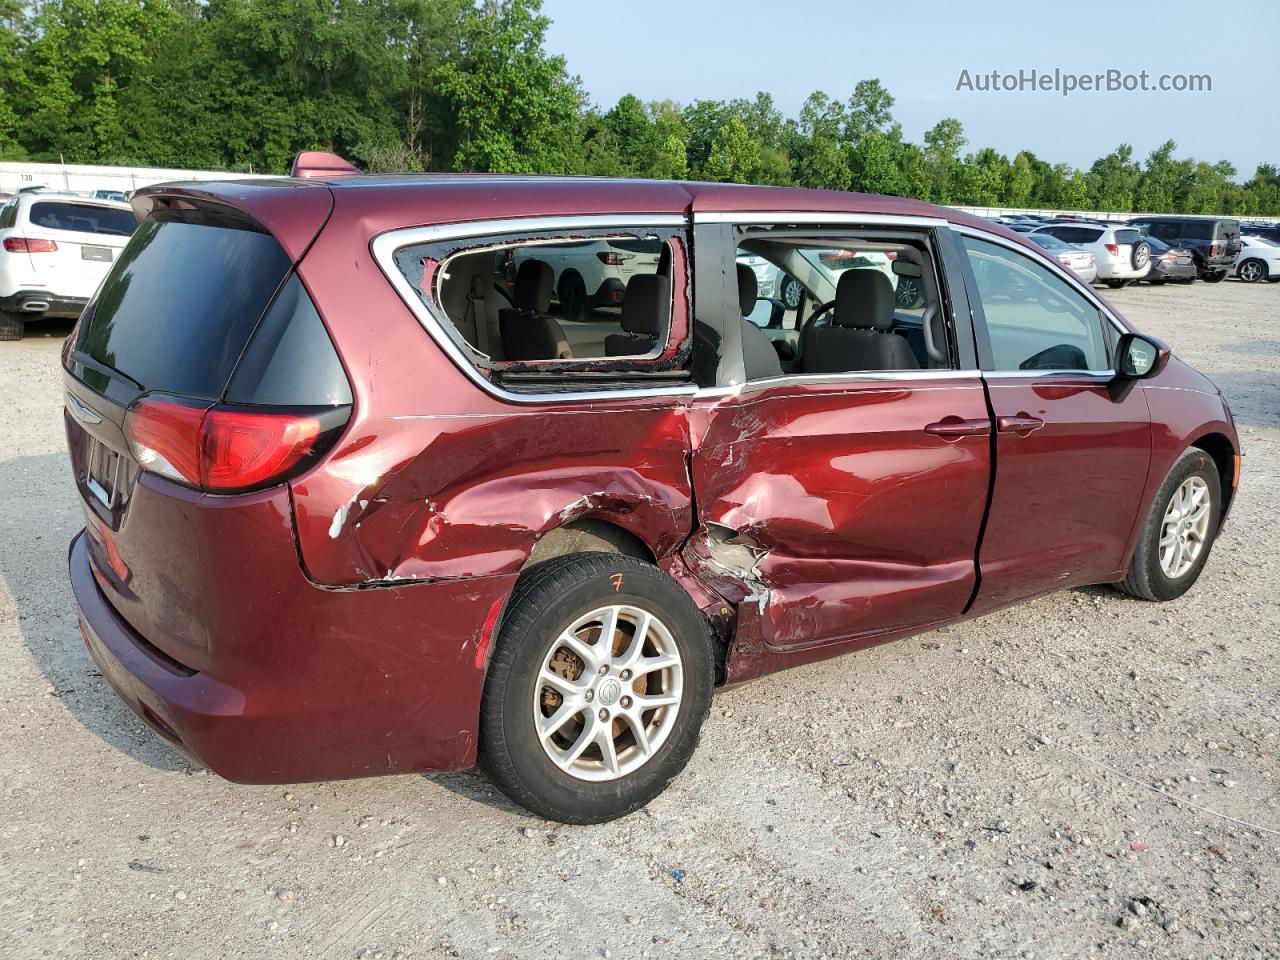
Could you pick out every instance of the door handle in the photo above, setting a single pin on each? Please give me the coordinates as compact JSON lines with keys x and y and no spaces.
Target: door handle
{"x":1023,"y":424}
{"x":955,"y":427}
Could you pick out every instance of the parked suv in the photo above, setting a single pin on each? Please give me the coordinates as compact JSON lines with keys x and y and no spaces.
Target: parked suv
{"x":55,"y":248}
{"x":1120,"y":255}
{"x":328,"y":536}
{"x":1214,"y":243}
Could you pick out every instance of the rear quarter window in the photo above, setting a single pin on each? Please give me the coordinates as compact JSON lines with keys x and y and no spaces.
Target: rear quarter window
{"x":176,"y":310}
{"x":1128,"y":236}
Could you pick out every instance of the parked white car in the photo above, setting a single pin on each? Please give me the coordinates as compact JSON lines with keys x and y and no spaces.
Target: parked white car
{"x":1080,"y":262}
{"x":55,"y":249}
{"x":1258,"y":259}
{"x":1121,"y":254}
{"x":772,"y":281}
{"x":590,"y":273}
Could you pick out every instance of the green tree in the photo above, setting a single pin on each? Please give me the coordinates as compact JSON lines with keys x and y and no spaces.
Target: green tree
{"x":515,"y":106}
{"x":943,"y":143}
{"x":818,"y":150}
{"x":735,"y":154}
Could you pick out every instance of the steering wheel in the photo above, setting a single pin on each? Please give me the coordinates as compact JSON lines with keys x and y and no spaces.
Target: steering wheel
{"x":817,"y":311}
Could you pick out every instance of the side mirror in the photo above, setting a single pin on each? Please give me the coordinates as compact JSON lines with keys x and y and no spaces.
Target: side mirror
{"x":1139,"y":357}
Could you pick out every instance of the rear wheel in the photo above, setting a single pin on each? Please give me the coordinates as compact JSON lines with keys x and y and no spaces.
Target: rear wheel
{"x":1117,"y":284}
{"x":1251,"y":271}
{"x":1216,"y":276}
{"x":600,"y":681}
{"x":11,"y":326}
{"x":1176,"y":538}
{"x":1155,"y":281}
{"x":573,"y":296}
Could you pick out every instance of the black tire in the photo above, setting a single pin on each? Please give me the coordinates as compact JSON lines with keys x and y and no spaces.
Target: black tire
{"x":547,"y":598}
{"x":573,"y":296}
{"x":1116,"y":284}
{"x":1147,"y":579}
{"x":1252,"y":270}
{"x":1140,"y":255}
{"x":1214,"y":276}
{"x":1273,"y":279}
{"x":1155,"y":281}
{"x":789,"y":291}
{"x":11,"y":326}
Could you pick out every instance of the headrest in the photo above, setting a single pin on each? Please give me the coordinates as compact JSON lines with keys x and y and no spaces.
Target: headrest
{"x":644,"y":305}
{"x":533,"y":286}
{"x":864,"y":300}
{"x":747,"y":289}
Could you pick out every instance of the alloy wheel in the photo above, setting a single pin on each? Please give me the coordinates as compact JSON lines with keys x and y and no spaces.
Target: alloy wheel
{"x":608,"y":692}
{"x":1185,"y":528}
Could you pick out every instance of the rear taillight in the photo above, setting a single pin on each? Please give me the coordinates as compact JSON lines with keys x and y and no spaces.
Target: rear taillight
{"x":1112,"y":248}
{"x":1169,"y":256}
{"x":225,"y":449}
{"x":613,"y":259}
{"x":1213,"y":249}
{"x":29,"y":245}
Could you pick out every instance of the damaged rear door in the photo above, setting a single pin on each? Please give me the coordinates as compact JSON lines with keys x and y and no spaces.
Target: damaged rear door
{"x":838,"y":509}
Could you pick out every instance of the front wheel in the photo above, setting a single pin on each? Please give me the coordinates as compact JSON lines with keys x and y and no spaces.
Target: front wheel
{"x":600,"y":681}
{"x":1176,"y":538}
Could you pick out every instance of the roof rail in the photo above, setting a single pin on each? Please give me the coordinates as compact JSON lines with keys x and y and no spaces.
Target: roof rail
{"x":312,"y":164}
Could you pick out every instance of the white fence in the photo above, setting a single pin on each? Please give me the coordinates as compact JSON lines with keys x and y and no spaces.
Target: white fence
{"x":80,"y":178}
{"x":1091,"y":214}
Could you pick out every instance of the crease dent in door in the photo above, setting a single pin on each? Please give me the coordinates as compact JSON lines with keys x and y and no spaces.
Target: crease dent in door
{"x":818,"y":512}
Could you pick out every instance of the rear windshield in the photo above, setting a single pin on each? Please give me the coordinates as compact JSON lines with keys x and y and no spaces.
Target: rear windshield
{"x":180,"y":304}
{"x":82,"y":218}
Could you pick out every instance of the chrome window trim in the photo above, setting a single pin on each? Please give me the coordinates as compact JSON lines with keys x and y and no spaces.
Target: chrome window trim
{"x":768,"y":218}
{"x":384,"y":246}
{"x":1102,"y":376}
{"x":848,"y":378}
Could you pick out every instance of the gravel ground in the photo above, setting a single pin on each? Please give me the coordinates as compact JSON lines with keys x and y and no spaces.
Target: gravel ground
{"x":1086,"y":775}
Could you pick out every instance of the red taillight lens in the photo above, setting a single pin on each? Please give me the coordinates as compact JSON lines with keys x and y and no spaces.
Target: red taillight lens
{"x":612,"y":259}
{"x":29,"y":245}
{"x":219,"y":449}
{"x":1112,"y":248}
{"x":1213,"y":249}
{"x":247,"y":449}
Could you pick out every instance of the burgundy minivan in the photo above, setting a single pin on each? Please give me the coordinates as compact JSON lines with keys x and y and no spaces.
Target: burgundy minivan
{"x":368,"y":490}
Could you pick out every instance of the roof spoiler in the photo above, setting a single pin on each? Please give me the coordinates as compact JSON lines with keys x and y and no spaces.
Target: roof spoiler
{"x":313,"y":164}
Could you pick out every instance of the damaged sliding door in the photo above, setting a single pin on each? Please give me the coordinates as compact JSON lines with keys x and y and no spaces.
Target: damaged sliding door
{"x":838,"y":509}
{"x":841,"y":511}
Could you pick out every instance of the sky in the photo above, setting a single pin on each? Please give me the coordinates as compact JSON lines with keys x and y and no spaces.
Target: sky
{"x":695,"y":50}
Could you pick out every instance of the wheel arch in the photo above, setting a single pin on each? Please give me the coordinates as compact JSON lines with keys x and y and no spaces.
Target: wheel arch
{"x":1220,"y":448}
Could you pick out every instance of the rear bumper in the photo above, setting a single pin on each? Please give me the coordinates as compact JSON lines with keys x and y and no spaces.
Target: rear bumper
{"x":400,"y":695}
{"x":42,"y":303}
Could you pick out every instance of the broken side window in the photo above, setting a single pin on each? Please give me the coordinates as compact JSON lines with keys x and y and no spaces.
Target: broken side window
{"x":561,"y":306}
